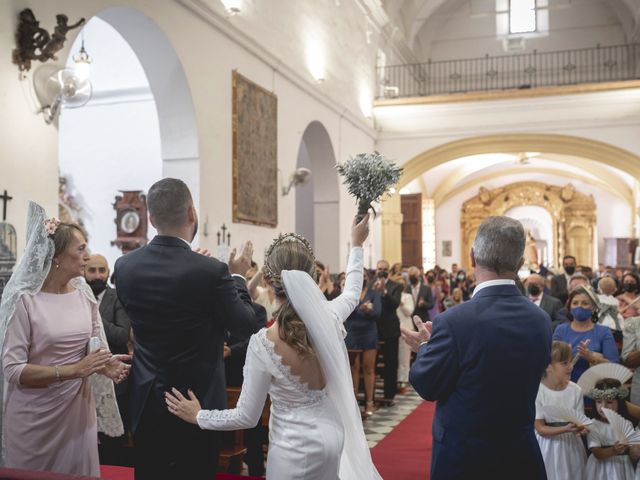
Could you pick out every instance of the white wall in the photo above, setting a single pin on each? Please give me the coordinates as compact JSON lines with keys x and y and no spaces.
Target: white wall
{"x":113,"y":143}
{"x":276,"y":65}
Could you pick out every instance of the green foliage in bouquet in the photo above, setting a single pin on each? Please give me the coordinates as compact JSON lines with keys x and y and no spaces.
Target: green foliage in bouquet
{"x":368,"y":176}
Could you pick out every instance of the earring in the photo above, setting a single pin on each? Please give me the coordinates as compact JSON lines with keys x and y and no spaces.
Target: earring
{"x":57,"y":265}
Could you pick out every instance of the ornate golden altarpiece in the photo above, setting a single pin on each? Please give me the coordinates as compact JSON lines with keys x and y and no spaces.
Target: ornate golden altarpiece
{"x":573,"y":214}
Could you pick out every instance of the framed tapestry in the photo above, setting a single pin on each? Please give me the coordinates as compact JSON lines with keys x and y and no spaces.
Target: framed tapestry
{"x":255,"y":161}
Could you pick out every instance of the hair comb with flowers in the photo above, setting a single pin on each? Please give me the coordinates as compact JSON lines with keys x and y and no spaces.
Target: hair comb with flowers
{"x":51,"y":225}
{"x":285,"y":238}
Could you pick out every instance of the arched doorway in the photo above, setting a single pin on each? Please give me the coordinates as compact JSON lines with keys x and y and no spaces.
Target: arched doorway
{"x":598,"y":152}
{"x":138,"y":127}
{"x":317,"y":201}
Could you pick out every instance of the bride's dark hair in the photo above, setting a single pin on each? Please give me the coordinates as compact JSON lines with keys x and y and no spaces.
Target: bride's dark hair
{"x":289,"y":252}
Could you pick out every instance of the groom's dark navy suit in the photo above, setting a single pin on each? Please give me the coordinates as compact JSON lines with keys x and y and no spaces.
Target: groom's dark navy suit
{"x":483,"y":365}
{"x":180,"y":303}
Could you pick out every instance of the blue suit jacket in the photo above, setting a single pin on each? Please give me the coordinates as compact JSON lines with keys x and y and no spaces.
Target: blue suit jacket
{"x":483,"y":366}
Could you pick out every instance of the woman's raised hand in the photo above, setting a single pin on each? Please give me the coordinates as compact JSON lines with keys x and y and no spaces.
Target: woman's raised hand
{"x":359,"y":231}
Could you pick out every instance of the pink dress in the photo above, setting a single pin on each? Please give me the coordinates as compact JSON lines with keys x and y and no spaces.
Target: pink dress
{"x":52,"y":428}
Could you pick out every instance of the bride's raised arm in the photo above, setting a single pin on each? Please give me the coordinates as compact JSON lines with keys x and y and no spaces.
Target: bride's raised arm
{"x":348,"y":300}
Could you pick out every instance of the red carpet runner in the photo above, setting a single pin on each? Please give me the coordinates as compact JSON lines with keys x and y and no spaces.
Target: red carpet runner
{"x":109,"y":472}
{"x":406,"y":451}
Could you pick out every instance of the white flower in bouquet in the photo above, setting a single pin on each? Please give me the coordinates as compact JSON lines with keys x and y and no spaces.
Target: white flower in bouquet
{"x":368,"y":176}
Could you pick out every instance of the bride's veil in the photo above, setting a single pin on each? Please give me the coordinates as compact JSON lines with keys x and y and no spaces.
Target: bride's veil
{"x":327,"y":341}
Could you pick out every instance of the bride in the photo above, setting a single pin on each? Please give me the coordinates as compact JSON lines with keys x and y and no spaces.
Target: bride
{"x":315,"y":429}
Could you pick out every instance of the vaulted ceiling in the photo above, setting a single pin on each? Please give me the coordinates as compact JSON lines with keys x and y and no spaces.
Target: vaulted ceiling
{"x":417,"y":20}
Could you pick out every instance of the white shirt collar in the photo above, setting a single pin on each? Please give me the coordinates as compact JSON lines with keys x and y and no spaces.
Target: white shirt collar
{"x":492,"y":283}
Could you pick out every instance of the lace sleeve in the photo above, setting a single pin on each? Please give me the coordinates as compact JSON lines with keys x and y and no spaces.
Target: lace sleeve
{"x":252,"y":397}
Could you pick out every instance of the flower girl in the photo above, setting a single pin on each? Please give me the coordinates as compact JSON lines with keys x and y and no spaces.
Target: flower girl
{"x":562,"y":450}
{"x":609,"y":459}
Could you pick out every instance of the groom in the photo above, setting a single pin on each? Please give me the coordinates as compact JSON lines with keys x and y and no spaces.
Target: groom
{"x":483,"y":366}
{"x":180,"y":303}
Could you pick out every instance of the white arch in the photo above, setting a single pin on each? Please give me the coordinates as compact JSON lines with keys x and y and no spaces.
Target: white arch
{"x":317,"y":201}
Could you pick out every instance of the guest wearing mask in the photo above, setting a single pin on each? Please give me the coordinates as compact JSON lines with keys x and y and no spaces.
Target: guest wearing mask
{"x":560,"y":282}
{"x":592,"y":342}
{"x":630,"y":282}
{"x":463,"y":285}
{"x":421,"y":294}
{"x":117,"y":327}
{"x":535,"y":291}
{"x":388,"y":328}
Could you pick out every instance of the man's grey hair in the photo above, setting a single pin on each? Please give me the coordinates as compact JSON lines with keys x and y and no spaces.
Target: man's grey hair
{"x":499,"y":244}
{"x":168,"y":201}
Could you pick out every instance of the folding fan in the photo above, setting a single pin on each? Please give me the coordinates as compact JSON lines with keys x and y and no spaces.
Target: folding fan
{"x":588,"y":379}
{"x":622,"y":428}
{"x":564,"y":414}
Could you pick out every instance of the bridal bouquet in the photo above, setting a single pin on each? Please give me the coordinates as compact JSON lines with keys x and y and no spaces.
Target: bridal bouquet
{"x":368,"y":176}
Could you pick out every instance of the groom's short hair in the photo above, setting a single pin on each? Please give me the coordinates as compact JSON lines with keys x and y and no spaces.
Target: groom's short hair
{"x":169,"y":200}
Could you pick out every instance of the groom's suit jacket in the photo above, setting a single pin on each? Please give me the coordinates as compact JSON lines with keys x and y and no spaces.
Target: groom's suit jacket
{"x":180,"y":303}
{"x":483,"y":366}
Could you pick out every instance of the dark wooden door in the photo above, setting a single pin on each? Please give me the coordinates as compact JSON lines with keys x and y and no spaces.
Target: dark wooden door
{"x":411,"y":206}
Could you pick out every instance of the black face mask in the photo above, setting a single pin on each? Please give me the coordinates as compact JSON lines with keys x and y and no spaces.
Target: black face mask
{"x":413,"y":279}
{"x":629,"y":287}
{"x":383,"y":274}
{"x":534,"y":290}
{"x":430,"y":279}
{"x":97,"y":286}
{"x":570,"y":270}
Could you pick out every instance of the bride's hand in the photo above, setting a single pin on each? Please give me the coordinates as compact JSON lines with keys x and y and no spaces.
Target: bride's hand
{"x":360,"y":231}
{"x":187,"y":410}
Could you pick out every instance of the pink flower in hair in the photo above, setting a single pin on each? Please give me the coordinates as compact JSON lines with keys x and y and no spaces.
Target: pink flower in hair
{"x":51,"y":225}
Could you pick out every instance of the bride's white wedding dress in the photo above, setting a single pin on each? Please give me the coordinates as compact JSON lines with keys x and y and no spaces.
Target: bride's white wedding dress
{"x":313,"y":434}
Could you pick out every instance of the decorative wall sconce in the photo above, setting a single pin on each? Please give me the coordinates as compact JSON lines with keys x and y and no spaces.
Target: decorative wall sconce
{"x":300,"y":176}
{"x":35,"y":43}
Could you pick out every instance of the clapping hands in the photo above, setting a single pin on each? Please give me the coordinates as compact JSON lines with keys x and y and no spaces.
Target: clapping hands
{"x":240,"y":265}
{"x":415,"y":339}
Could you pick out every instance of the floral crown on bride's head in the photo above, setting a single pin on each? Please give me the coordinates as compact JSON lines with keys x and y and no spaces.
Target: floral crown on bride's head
{"x":51,"y":225}
{"x":285,"y":238}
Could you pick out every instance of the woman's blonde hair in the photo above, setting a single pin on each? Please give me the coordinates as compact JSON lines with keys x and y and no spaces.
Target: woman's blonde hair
{"x":560,"y":352}
{"x":289,"y":252}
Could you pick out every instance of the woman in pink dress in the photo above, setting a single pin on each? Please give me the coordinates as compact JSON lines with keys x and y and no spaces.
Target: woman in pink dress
{"x":50,"y":420}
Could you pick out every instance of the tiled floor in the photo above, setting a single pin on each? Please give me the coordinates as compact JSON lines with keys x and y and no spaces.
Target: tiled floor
{"x":386,"y":418}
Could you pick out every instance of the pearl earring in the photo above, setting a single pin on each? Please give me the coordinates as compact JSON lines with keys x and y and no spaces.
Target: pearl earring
{"x":57,"y":265}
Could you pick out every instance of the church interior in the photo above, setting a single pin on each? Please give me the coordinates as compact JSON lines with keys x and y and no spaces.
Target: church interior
{"x":523,"y":108}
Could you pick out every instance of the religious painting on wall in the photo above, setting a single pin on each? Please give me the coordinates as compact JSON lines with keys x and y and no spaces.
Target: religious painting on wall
{"x":446,"y":248}
{"x":8,"y":252}
{"x":255,"y":161}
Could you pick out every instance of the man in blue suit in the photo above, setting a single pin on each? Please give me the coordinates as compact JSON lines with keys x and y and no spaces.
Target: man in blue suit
{"x":482,"y":364}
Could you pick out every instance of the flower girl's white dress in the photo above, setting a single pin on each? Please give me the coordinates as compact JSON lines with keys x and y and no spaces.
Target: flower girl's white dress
{"x":564,"y":455}
{"x":614,"y":468}
{"x":313,"y":434}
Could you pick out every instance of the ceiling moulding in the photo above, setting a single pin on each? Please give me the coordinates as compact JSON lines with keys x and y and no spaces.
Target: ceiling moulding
{"x":202,"y":10}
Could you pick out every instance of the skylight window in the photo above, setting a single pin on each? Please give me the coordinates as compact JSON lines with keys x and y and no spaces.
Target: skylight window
{"x":522,"y":16}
